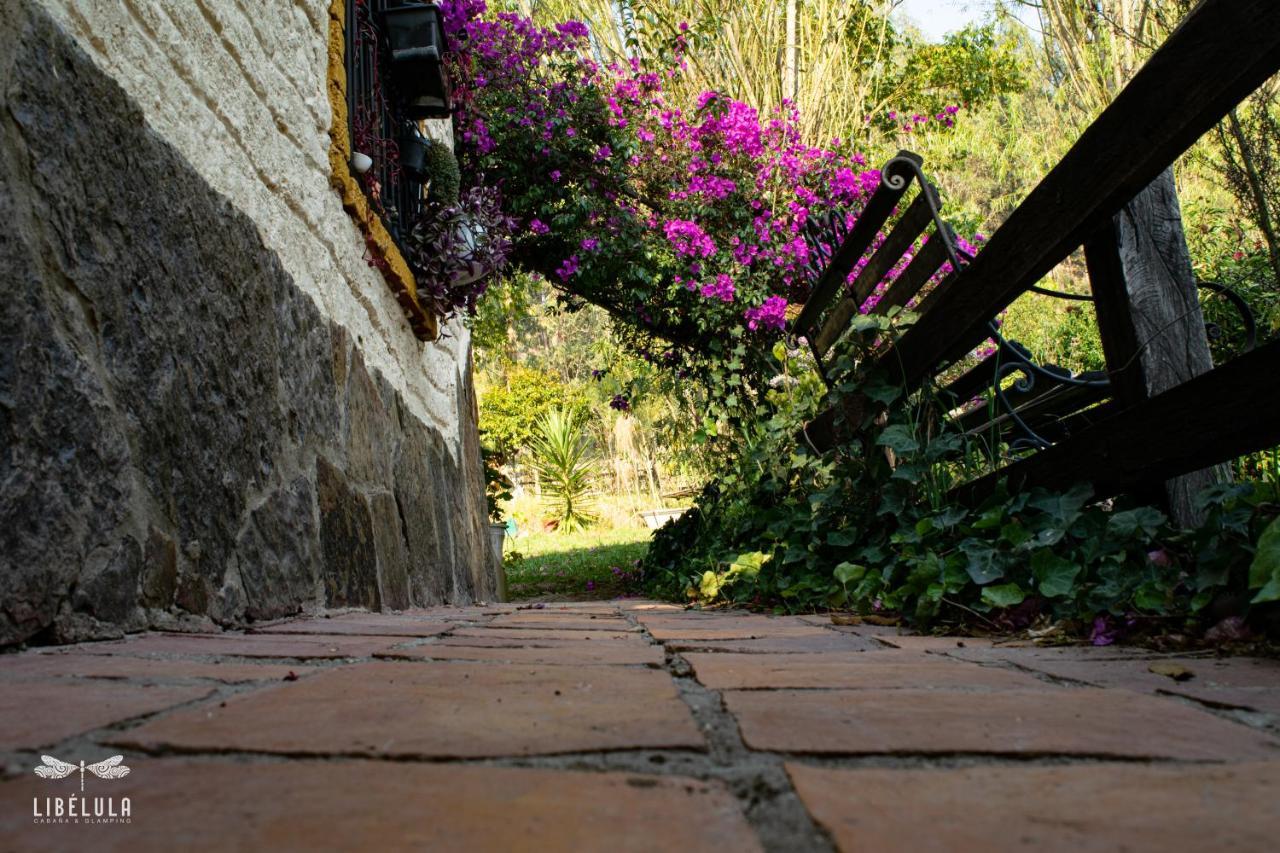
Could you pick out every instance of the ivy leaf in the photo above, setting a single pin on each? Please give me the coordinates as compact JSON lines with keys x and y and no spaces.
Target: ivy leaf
{"x":986,"y":564}
{"x":849,"y":572}
{"x":841,"y":538}
{"x":1055,"y":577}
{"x":1003,"y":595}
{"x":1014,"y":533}
{"x":880,"y":390}
{"x":1151,"y":597}
{"x":748,"y":564}
{"x":1065,"y":507}
{"x":710,"y":584}
{"x":898,"y":438}
{"x":1145,"y":520}
{"x":1264,"y":571}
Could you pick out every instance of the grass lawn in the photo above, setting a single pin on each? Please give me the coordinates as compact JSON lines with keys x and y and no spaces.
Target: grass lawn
{"x":586,"y":564}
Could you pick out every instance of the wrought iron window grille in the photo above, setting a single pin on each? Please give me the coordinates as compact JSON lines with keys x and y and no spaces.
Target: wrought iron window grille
{"x":395,"y":79}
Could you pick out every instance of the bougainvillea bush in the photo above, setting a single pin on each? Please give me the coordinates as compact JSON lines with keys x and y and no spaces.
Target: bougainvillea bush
{"x":685,"y":220}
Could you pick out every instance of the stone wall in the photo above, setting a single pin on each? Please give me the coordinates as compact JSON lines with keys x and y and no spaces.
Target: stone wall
{"x":191,"y":428}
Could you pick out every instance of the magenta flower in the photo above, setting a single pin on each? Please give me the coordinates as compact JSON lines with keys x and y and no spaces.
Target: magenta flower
{"x":770,"y":315}
{"x":568,"y":268}
{"x":688,"y":239}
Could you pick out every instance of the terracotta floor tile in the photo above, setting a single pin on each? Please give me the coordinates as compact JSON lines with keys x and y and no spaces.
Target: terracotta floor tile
{"x":1249,"y":683}
{"x":1088,"y":807}
{"x":823,"y":641}
{"x":598,"y":608}
{"x":441,"y":710}
{"x":1139,"y":674}
{"x":246,"y":645}
{"x":563,"y":622}
{"x":931,"y":644}
{"x":988,"y":652}
{"x":569,"y":654}
{"x":1085,"y":721}
{"x":861,"y":670}
{"x":526,"y":636}
{"x":710,"y":627}
{"x":58,"y":665}
{"x":374,"y":624}
{"x":361,"y":805}
{"x":584,"y":647}
{"x":41,"y":713}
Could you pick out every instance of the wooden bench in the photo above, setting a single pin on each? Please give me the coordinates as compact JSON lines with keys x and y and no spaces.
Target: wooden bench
{"x":1144,"y":422}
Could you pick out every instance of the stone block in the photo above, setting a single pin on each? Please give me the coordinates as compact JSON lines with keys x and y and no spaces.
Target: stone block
{"x":346,"y":539}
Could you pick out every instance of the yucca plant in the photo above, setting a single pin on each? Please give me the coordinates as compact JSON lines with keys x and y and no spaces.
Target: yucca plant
{"x":565,"y":459}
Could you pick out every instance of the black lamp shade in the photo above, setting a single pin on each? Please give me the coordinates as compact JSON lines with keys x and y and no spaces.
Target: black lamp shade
{"x":415,"y":38}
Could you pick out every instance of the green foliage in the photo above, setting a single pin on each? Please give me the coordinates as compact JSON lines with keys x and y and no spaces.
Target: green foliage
{"x":1264,"y":572}
{"x":871,"y":528}
{"x":565,"y":459}
{"x":977,"y":63}
{"x":443,"y":175}
{"x":511,"y":411}
{"x":497,"y":486}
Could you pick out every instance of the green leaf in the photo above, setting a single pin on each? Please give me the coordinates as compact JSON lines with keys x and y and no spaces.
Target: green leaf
{"x":1151,"y":597}
{"x":1055,"y":577}
{"x":1264,"y":571}
{"x":881,"y":391}
{"x":1066,"y":506}
{"x":709,"y":587}
{"x":985,"y":564}
{"x":993,"y":517}
{"x":1003,"y":595}
{"x":899,"y":439}
{"x":849,"y":572}
{"x":842,"y":538}
{"x":1144,"y":520}
{"x":1014,"y":533}
{"x":747,"y":564}
{"x":951,"y":516}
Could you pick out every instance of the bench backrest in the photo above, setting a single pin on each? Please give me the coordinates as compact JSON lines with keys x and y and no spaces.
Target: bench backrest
{"x":919,"y":237}
{"x":1224,"y":50}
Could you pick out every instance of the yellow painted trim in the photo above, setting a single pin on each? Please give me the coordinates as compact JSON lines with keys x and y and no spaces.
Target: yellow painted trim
{"x":381,"y":247}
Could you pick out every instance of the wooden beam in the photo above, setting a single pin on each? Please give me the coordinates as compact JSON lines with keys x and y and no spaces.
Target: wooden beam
{"x":1223,"y":51}
{"x":1152,"y":330}
{"x":1219,"y":415}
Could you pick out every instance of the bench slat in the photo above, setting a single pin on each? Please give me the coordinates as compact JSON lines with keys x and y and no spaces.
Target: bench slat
{"x":876,"y":212}
{"x":1223,"y":51}
{"x":927,"y":261}
{"x":967,"y":385}
{"x":904,"y":233}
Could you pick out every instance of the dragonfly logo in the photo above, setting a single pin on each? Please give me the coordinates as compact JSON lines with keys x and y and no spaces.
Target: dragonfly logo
{"x":81,"y":809}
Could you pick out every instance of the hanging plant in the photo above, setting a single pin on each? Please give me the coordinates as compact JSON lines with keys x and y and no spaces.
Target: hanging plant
{"x":455,"y":248}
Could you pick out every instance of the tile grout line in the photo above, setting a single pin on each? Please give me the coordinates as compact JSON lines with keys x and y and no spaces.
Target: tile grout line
{"x":758,"y":780}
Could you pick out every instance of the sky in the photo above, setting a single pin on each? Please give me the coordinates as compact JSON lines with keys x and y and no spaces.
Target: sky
{"x":936,"y":18}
